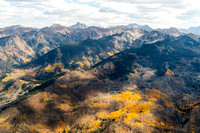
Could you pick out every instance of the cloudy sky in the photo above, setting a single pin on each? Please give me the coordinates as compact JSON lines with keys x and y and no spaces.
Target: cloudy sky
{"x":155,"y":13}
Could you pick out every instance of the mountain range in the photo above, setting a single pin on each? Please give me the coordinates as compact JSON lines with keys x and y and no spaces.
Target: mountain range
{"x":91,"y":79}
{"x":21,"y":44}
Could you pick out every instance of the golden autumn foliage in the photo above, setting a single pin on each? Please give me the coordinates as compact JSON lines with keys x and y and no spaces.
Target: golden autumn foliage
{"x":127,"y":96}
{"x":16,"y":73}
{"x":51,"y":68}
{"x":47,"y":97}
{"x":169,"y":72}
{"x":23,"y":59}
{"x":103,"y":115}
{"x":80,"y":63}
{"x":93,"y":126}
{"x":111,"y":54}
{"x":189,"y":105}
{"x":131,"y":74}
{"x":9,"y":54}
{"x":26,"y":60}
{"x":62,"y":85}
{"x":118,"y":112}
{"x":71,"y":62}
{"x":37,"y":121}
{"x":86,"y":62}
{"x":155,"y":95}
{"x":97,"y":105}
{"x":133,"y":107}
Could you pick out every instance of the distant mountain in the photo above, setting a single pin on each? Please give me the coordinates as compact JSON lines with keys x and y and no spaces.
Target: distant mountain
{"x":13,"y":30}
{"x":27,"y":44}
{"x":54,"y":29}
{"x":90,"y":51}
{"x":145,"y":27}
{"x":136,"y":26}
{"x":79,"y":25}
{"x":58,"y":35}
{"x":194,"y":30}
{"x":172,"y":31}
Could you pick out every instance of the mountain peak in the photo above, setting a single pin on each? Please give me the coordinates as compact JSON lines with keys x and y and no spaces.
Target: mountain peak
{"x":56,"y":26}
{"x":132,"y":24}
{"x":136,"y":26}
{"x":79,"y":25}
{"x":15,"y":27}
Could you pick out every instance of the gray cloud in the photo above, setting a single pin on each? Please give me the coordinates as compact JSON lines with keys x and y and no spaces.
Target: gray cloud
{"x":106,"y":9}
{"x":190,"y":14}
{"x":144,"y":8}
{"x":27,"y":0}
{"x":60,"y":13}
{"x":110,"y":10}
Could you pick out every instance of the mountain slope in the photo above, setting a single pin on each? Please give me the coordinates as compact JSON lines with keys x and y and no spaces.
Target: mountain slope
{"x":85,"y":54}
{"x":172,"y":31}
{"x":151,"y":88}
{"x":43,"y":40}
{"x":171,"y":66}
{"x":30,"y":43}
{"x":14,"y":50}
{"x":194,"y":30}
{"x":89,"y":52}
{"x":77,"y":56}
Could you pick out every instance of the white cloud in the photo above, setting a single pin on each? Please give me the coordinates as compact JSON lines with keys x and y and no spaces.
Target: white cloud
{"x":156,"y":13}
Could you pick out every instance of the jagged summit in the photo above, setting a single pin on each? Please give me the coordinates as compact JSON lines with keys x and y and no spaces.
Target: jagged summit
{"x":79,"y":25}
